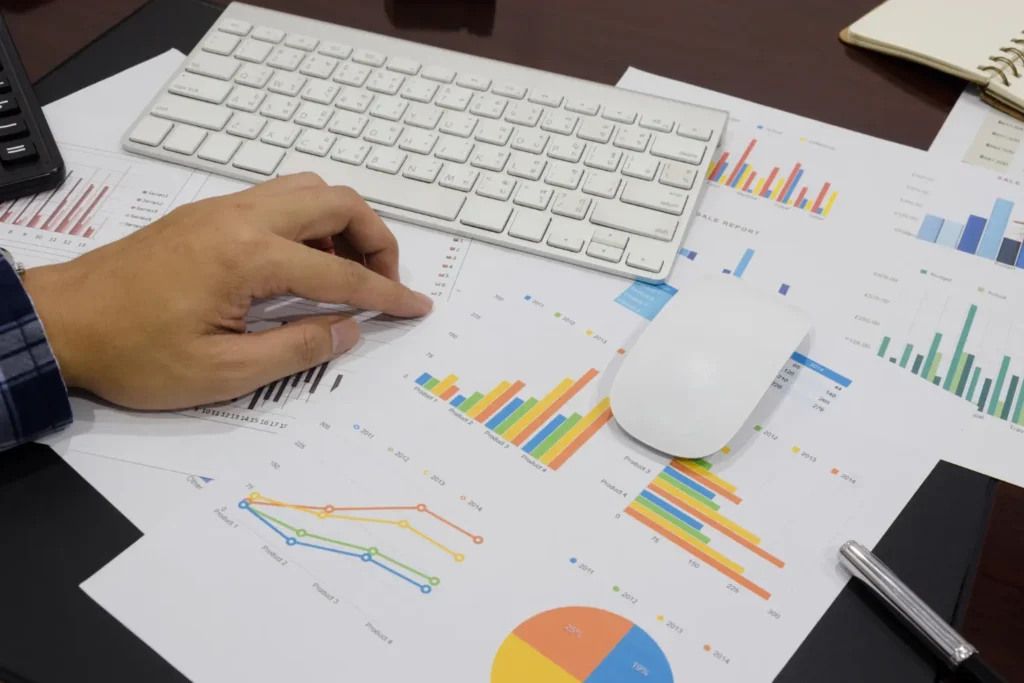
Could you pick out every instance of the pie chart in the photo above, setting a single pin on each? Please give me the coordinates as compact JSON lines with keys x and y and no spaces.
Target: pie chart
{"x":579,"y":645}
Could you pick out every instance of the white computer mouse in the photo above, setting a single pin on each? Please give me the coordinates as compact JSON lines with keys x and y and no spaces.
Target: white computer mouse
{"x":698,"y":371}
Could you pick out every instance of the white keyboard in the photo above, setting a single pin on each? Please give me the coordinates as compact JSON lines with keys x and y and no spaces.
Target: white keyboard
{"x":572,"y":170}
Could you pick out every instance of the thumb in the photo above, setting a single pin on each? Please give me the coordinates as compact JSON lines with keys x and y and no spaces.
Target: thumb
{"x":272,"y":354}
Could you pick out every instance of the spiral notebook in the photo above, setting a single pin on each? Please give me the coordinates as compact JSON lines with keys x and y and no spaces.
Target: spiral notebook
{"x":979,"y":40}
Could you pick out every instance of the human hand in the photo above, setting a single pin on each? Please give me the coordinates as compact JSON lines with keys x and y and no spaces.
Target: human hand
{"x":157,"y":320}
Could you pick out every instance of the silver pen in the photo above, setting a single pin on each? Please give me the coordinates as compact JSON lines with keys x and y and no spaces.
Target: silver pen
{"x":959,"y":655}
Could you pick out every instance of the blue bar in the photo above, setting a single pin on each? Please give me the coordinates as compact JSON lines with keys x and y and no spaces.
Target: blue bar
{"x":821,"y":369}
{"x":784,"y":290}
{"x":423,"y":379}
{"x":688,"y":254}
{"x":972,"y":234}
{"x":744,"y":262}
{"x":949,"y":234}
{"x":1020,"y":259}
{"x":457,"y":401}
{"x":792,"y":186}
{"x":726,"y":271}
{"x":929,"y":230}
{"x":672,"y":510}
{"x":1008,"y":251}
{"x":544,"y":433}
{"x":993,"y":236}
{"x":500,"y":416}
{"x":690,"y":483}
{"x":721,"y":172}
{"x":803,"y":204}
{"x":736,"y":180}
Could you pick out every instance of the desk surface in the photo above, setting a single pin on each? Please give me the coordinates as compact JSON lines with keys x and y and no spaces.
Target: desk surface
{"x":782,"y":54}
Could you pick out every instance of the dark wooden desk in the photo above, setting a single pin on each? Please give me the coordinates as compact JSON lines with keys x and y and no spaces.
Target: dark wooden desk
{"x":784,"y":54}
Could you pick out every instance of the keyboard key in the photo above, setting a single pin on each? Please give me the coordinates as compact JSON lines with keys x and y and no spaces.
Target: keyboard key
{"x":564,"y":238}
{"x":494,"y":132}
{"x":529,"y":225}
{"x":150,"y":131}
{"x":348,"y":124}
{"x":219,"y":148}
{"x":473,"y":82}
{"x":496,"y":186}
{"x":595,"y":130}
{"x":200,"y":88}
{"x":245,"y":98}
{"x":287,"y":84}
{"x":321,"y":92}
{"x":351,"y":152}
{"x":385,"y":82}
{"x":558,"y":122}
{"x":268,"y":35}
{"x":313,"y":115}
{"x":247,"y":126}
{"x":602,"y":184}
{"x":214,"y":66}
{"x":486,"y":214}
{"x":280,"y":134}
{"x":315,"y":143}
{"x":459,"y":178}
{"x":524,"y":114}
{"x":454,"y":149}
{"x":369,"y":57}
{"x":583,"y":107}
{"x":353,"y":99}
{"x":220,"y":43}
{"x":279,"y":107}
{"x":571,"y":205}
{"x":318,"y":66}
{"x":389,"y":108}
{"x":254,"y":76}
{"x":604,"y":252}
{"x":258,"y":158}
{"x":439,"y":74}
{"x":300,"y":42}
{"x":696,"y":132}
{"x":253,"y":51}
{"x":530,"y":141}
{"x":5,"y":85}
{"x":564,"y":175}
{"x":418,"y":141}
{"x":678,"y":149}
{"x":185,"y":139}
{"x":352,"y":74}
{"x":678,"y":175}
{"x":285,"y":58}
{"x":632,"y":139}
{"x":546,"y":99}
{"x":425,"y":170}
{"x":635,"y":220}
{"x":386,"y":160}
{"x":387,"y":190}
{"x":567,"y":150}
{"x":184,"y":110}
{"x":658,"y":123}
{"x":383,"y":133}
{"x":654,"y":196}
{"x":534,"y":196}
{"x":13,"y":152}
{"x":527,"y":166}
{"x":12,"y":128}
{"x":490,"y":157}
{"x":422,"y":116}
{"x":336,"y":50}
{"x":645,"y":259}
{"x":640,"y":166}
{"x":404,"y":66}
{"x":612,"y":238}
{"x":516,"y":92}
{"x":488,"y":106}
{"x":619,"y":115}
{"x":460,"y":125}
{"x":235,"y":26}
{"x":453,"y":97}
{"x":604,"y":158}
{"x":419,"y":90}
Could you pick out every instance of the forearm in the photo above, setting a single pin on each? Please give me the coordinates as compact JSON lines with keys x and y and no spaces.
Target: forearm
{"x":33,"y":397}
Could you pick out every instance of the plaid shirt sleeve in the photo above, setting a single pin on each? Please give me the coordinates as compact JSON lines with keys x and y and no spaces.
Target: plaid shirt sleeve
{"x":33,"y":398}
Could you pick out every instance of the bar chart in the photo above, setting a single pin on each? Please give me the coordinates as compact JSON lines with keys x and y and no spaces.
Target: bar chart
{"x":994,"y":237}
{"x":538,"y":427}
{"x":744,"y":263}
{"x":775,"y":185}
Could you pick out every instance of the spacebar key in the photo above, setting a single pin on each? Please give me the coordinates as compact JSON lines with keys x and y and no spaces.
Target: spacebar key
{"x":380,"y":188}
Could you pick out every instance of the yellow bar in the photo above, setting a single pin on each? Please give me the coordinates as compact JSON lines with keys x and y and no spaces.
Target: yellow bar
{"x":778,"y":188}
{"x":641,"y":510}
{"x":707,"y":475}
{"x":727,"y":523}
{"x":527,"y":419}
{"x":444,"y":385}
{"x":828,"y":207}
{"x":760,"y":186}
{"x":488,"y":399}
{"x":580,"y":427}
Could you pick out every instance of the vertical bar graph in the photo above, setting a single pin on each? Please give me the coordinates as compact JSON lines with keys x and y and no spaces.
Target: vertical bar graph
{"x":301,"y":386}
{"x":995,"y":238}
{"x":70,"y":209}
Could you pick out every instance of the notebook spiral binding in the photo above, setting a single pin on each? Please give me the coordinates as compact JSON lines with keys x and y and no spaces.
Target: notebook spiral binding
{"x":1006,"y":65}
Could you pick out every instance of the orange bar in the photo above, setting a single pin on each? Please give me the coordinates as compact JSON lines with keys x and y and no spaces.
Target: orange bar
{"x":694,"y":473}
{"x":449,"y":392}
{"x":696,"y":552}
{"x":500,"y":401}
{"x":542,"y":419}
{"x":581,"y":439}
{"x":711,"y":521}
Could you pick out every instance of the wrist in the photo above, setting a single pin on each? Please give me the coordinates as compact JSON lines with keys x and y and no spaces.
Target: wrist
{"x":48,"y":287}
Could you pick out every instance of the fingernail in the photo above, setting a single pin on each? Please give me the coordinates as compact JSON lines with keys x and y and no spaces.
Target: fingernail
{"x":344,"y":335}
{"x":426,"y":301}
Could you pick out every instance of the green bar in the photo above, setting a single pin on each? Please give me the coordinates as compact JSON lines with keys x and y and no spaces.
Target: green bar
{"x":511,"y":419}
{"x":950,"y":382}
{"x":1004,"y":412}
{"x":470,"y":402}
{"x":554,"y":436}
{"x":1018,"y":414}
{"x":934,"y":366}
{"x":957,"y":374}
{"x":906,"y":355}
{"x":967,"y":373}
{"x":431,"y":383}
{"x":917,"y":363}
{"x":678,"y":524}
{"x":701,"y":462}
{"x":999,"y":385}
{"x":892,"y":359}
{"x":884,"y":346}
{"x":985,"y":389}
{"x":928,"y":372}
{"x":937,"y":380}
{"x":974,"y":383}
{"x":674,"y":485}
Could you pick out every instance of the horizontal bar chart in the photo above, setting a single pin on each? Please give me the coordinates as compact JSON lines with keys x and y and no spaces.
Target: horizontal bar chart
{"x":995,"y":238}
